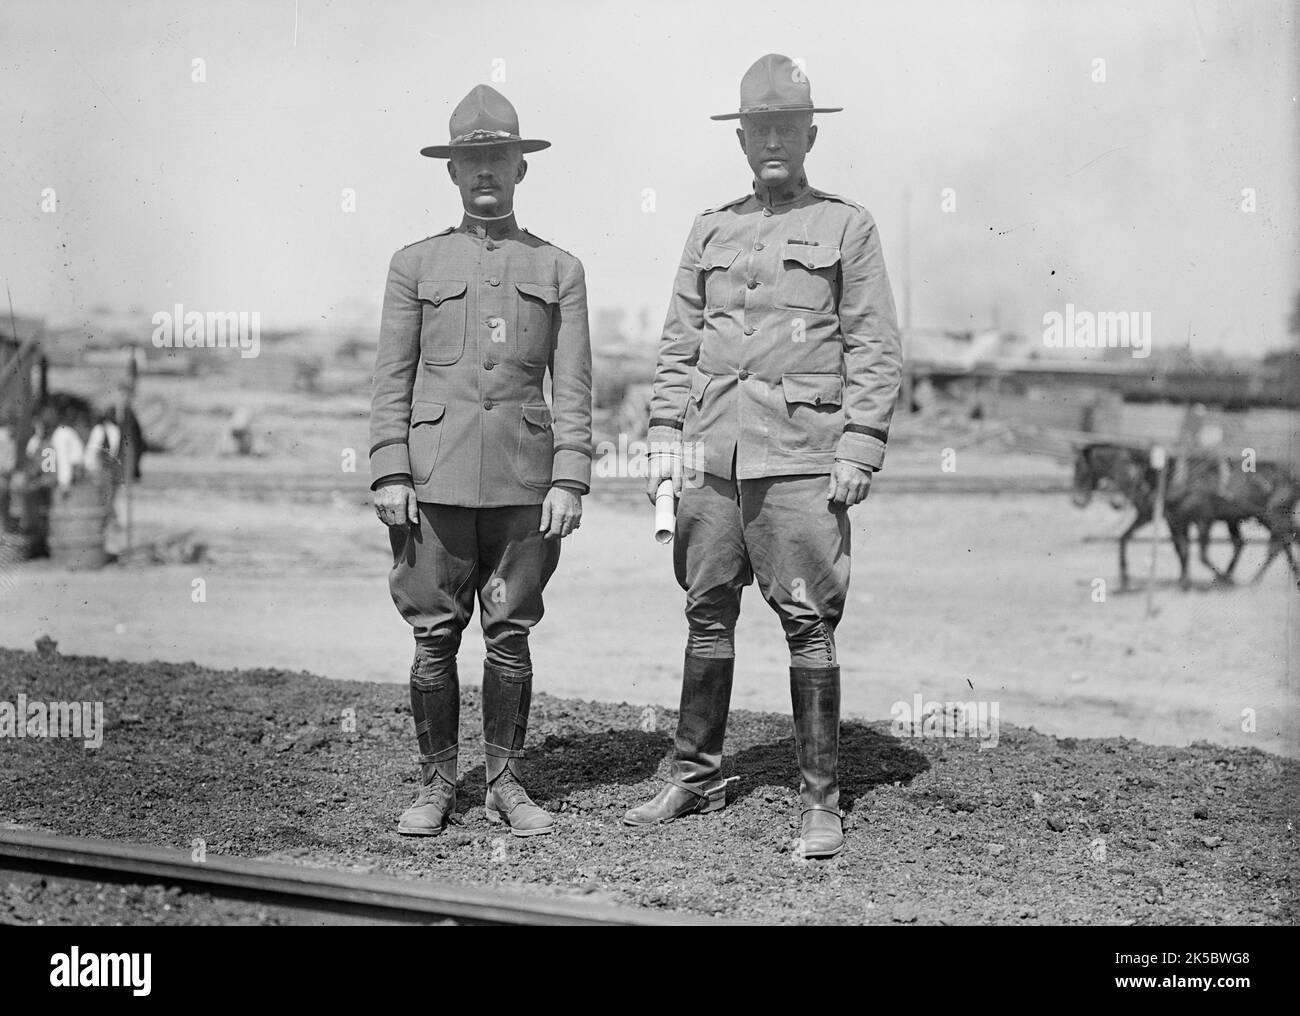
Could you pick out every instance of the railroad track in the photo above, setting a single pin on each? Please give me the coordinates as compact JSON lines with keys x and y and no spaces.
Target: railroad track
{"x":358,"y":896}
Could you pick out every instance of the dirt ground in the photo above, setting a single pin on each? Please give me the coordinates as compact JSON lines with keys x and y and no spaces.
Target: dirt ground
{"x":1039,"y":830}
{"x":954,"y":597}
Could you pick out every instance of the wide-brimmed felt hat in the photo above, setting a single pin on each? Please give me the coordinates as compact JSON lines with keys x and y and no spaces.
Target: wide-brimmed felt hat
{"x":775,"y":84}
{"x":484,"y":117}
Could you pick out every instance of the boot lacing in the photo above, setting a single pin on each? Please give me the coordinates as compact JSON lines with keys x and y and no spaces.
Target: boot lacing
{"x":510,"y":791}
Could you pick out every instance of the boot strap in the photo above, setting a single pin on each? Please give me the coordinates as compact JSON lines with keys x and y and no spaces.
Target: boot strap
{"x":696,"y":789}
{"x":706,"y":790}
{"x":496,"y":751}
{"x":441,"y":756}
{"x":821,"y":807}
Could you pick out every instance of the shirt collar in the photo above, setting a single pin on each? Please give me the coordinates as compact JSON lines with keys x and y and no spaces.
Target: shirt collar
{"x":497,"y":229}
{"x":770,"y":197}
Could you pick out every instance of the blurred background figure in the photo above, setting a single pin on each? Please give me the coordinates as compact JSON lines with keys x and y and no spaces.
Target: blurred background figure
{"x":104,"y":467}
{"x":56,"y":448}
{"x":240,"y":433}
{"x":104,"y":447}
{"x":1200,"y":446}
{"x":123,"y":415}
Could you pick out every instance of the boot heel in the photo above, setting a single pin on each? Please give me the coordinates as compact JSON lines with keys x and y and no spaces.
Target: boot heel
{"x":493,"y":815}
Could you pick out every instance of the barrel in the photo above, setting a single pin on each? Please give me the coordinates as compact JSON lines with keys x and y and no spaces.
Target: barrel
{"x":77,"y":517}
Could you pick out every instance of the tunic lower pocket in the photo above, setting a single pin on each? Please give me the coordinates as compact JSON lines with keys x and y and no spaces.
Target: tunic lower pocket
{"x":536,"y":445}
{"x":425,"y":438}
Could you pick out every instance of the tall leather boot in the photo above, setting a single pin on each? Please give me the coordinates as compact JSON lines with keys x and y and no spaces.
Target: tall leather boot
{"x":506,"y":698}
{"x":815,"y":695}
{"x":435,"y":706}
{"x":693,"y":785}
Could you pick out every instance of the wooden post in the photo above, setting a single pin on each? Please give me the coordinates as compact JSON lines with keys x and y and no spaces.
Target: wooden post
{"x":1159,"y":461}
{"x":128,"y":461}
{"x":905,"y":325}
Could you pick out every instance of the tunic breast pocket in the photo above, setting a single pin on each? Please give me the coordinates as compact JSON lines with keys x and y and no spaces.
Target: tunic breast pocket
{"x":442,"y":329}
{"x":715,"y":265}
{"x":809,"y":278}
{"x":535,"y":308}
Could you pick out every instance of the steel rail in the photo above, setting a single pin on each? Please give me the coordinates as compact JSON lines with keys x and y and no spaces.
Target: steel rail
{"x":374,"y":897}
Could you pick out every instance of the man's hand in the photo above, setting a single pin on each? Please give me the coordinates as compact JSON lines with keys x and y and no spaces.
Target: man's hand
{"x":849,"y":484}
{"x":395,"y":505}
{"x":561,"y":513}
{"x":665,"y":461}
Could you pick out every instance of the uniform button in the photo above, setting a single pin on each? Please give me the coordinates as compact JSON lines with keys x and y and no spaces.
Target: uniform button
{"x":488,"y":403}
{"x":494,"y":282}
{"x":749,"y":331}
{"x":759,"y":246}
{"x":767,"y":211}
{"x":752,"y":284}
{"x":744,"y":375}
{"x":490,"y":245}
{"x":489,"y":364}
{"x":817,"y":400}
{"x":493,"y":322}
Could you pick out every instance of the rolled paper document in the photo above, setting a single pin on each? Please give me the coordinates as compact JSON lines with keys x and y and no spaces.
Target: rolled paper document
{"x":664,"y":512}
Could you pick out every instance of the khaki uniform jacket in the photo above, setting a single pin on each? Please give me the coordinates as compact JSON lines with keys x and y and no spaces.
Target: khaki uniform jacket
{"x":781,"y":346}
{"x":473,"y":319}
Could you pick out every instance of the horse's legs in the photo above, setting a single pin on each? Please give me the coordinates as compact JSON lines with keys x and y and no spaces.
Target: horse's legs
{"x":1283,"y":538}
{"x":1143,"y":517}
{"x":1278,"y":520}
{"x":1204,"y":526}
{"x":1290,"y":558}
{"x":1276,"y":541}
{"x":1234,"y":530}
{"x":1178,"y":531}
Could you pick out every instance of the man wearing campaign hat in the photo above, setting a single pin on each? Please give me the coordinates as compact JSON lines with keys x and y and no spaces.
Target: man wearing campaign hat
{"x":777,"y":375}
{"x":476,"y":476}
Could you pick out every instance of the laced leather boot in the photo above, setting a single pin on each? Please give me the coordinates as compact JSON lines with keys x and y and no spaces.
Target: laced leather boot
{"x":506,"y":699}
{"x":436,"y":801}
{"x":693,"y":784}
{"x":435,"y":707}
{"x":815,"y":695}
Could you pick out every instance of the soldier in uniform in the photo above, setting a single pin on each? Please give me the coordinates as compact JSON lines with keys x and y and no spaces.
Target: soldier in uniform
{"x":477,"y":477}
{"x":778,"y":371}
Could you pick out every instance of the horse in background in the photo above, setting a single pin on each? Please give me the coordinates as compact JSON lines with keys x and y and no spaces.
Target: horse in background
{"x":1127,"y":476}
{"x":1207,"y":493}
{"x":1268,"y":495}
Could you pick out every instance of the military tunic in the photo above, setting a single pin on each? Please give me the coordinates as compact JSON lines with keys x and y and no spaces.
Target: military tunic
{"x":473,"y":319}
{"x":780,"y":348}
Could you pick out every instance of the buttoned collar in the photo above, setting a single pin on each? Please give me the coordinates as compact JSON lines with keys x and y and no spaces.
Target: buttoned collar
{"x":496,"y":229}
{"x":773,"y":197}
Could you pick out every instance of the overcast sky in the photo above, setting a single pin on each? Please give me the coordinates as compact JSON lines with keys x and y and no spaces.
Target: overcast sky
{"x":1122,"y":194}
